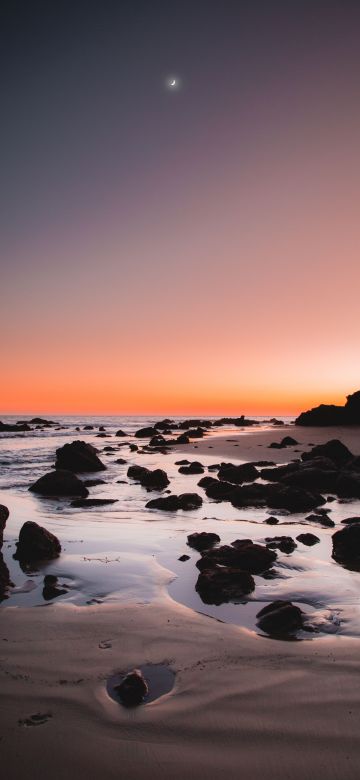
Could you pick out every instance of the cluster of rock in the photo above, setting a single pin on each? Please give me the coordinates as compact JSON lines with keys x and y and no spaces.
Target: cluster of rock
{"x":330,"y":414}
{"x":72,"y":458}
{"x":297,"y":486}
{"x":152,"y":480}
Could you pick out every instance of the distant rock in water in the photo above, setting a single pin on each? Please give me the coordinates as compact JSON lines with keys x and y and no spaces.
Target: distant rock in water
{"x":89,"y":502}
{"x":329,"y":414}
{"x":59,"y":483}
{"x":146,"y":433}
{"x":78,"y":456}
{"x":11,"y":428}
{"x":36,"y":543}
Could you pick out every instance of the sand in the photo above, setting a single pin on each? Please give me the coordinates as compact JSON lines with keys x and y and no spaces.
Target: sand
{"x":243,"y":706}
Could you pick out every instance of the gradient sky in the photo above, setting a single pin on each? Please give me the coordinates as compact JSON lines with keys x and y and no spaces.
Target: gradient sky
{"x":186,"y":251}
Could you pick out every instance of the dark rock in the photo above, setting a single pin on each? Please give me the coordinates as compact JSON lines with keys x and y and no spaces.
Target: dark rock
{"x":283,"y":543}
{"x":312,"y":479}
{"x":103,"y":435}
{"x":220,"y":491}
{"x":11,"y":428}
{"x":88,"y":502}
{"x":295,"y":499}
{"x":184,"y":558}
{"x":36,"y":543}
{"x":308,"y":539}
{"x":157,"y":441}
{"x":320,"y":520}
{"x":109,"y":448}
{"x":121,"y":461}
{"x":204,"y":482}
{"x":79,"y":457}
{"x":50,"y":588}
{"x":346,"y":546}
{"x":334,"y":449}
{"x":202,"y":541}
{"x":59,"y":483}
{"x":183,"y":439}
{"x":133,"y":689}
{"x":246,"y":472}
{"x":328,"y":414}
{"x":102,"y":428}
{"x":121,"y":433}
{"x":5,"y":581}
{"x":287,"y":441}
{"x":186,"y":501}
{"x":347,"y":485}
{"x":280,"y":618}
{"x":195,"y":433}
{"x":349,"y":520}
{"x":194,"y":468}
{"x":277,"y":473}
{"x":154,"y":480}
{"x":133,"y":447}
{"x":242,"y":554}
{"x":182,"y":462}
{"x":271,"y":520}
{"x":145,"y":433}
{"x":88,"y":427}
{"x":251,"y":495}
{"x":223,"y":584}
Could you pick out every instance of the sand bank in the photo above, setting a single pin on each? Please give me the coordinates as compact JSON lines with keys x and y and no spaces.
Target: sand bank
{"x":253,"y":444}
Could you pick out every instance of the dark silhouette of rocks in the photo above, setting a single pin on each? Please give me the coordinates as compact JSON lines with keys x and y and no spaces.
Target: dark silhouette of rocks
{"x":78,"y":456}
{"x":308,"y":539}
{"x":185,"y":501}
{"x":88,"y":427}
{"x":320,"y":519}
{"x":193,"y":468}
{"x":204,"y":482}
{"x":133,"y":689}
{"x":59,"y":483}
{"x":246,"y":472}
{"x":203,"y":540}
{"x":347,"y":485}
{"x":153,"y":480}
{"x":349,"y":520}
{"x":346,"y":546}
{"x":334,"y":449}
{"x":329,"y":414}
{"x":220,"y":490}
{"x":294,"y":499}
{"x":121,"y":433}
{"x":93,"y":482}
{"x":280,"y":618}
{"x":146,"y":433}
{"x":4,"y":514}
{"x":287,"y":441}
{"x":36,"y":543}
{"x":271,"y":520}
{"x":51,"y":589}
{"x":183,"y":439}
{"x":242,"y":554}
{"x":184,"y":558}
{"x":11,"y":428}
{"x":222,"y":584}
{"x":283,"y":543}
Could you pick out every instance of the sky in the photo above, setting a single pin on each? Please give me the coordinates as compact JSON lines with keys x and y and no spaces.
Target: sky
{"x":190,"y":250}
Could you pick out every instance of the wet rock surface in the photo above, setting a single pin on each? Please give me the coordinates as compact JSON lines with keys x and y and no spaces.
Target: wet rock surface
{"x":133,"y":689}
{"x":203,"y":540}
{"x":78,"y":456}
{"x":59,"y":483}
{"x":36,"y":543}
{"x":223,"y":583}
{"x":280,"y":618}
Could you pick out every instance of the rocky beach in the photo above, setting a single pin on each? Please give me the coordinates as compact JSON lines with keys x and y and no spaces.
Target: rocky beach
{"x":123,"y":539}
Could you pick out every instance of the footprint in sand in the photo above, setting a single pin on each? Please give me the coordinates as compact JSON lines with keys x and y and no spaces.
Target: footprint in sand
{"x":35,"y":720}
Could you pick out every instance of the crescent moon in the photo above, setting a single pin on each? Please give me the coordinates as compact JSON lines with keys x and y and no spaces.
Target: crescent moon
{"x":172,"y":83}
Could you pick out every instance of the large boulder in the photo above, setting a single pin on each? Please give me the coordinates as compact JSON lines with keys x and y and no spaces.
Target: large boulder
{"x":308,"y":539}
{"x":36,"y":543}
{"x":78,"y":456}
{"x":14,"y":428}
{"x":59,"y":483}
{"x":242,"y":554}
{"x":328,"y":414}
{"x":280,"y":618}
{"x":245,"y":472}
{"x":333,"y":449}
{"x":223,"y":584}
{"x":352,"y":408}
{"x":346,"y":546}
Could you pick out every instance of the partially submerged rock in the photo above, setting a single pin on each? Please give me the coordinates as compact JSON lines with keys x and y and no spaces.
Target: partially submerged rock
{"x":78,"y":456}
{"x":51,"y":589}
{"x":59,"y":483}
{"x":36,"y":543}
{"x":242,"y":554}
{"x":245,"y":472}
{"x":193,"y":468}
{"x":223,"y":584}
{"x":283,"y":543}
{"x":308,"y":539}
{"x":133,"y":689}
{"x":333,"y":449}
{"x":153,"y":480}
{"x":280,"y":618}
{"x":202,"y":540}
{"x":185,"y":501}
{"x":346,"y":546}
{"x":89,"y":502}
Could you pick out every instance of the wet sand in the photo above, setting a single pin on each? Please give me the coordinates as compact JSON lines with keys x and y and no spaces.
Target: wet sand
{"x":242,"y":704}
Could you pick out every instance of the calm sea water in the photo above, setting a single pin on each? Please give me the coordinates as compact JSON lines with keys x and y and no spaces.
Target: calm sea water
{"x":126,"y":553}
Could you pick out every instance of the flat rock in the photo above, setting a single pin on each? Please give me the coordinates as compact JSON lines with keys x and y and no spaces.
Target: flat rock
{"x":59,"y":483}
